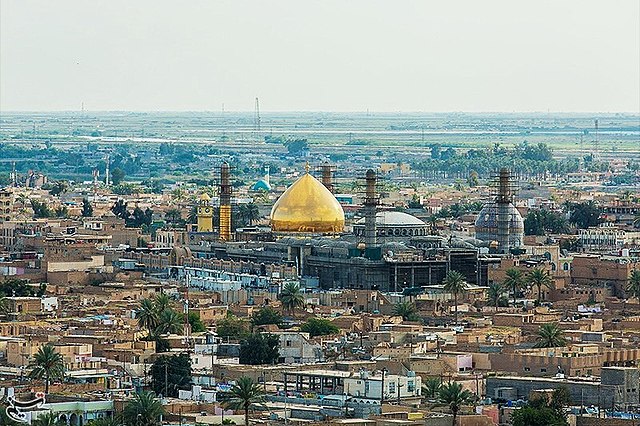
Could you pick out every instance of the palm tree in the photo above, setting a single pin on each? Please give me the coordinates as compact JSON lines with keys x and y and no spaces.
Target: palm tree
{"x":514,"y":281}
{"x":5,"y":420}
{"x":48,"y":419}
{"x":173,"y":216}
{"x":249,"y":213}
{"x":636,"y":220}
{"x":147,"y":315}
{"x":178,"y":194}
{"x":192,"y":218}
{"x":406,"y":310}
{"x":539,"y":278}
{"x":633,"y":286}
{"x":550,"y":336}
{"x":144,"y":410}
{"x":47,"y":364}
{"x":495,"y":295}
{"x":452,"y":395}
{"x":291,"y":297}
{"x":431,"y":387}
{"x":4,"y":306}
{"x":169,"y":322}
{"x":244,"y":394}
{"x":454,"y":283}
{"x":432,"y":221}
{"x":105,"y":421}
{"x":162,"y":302}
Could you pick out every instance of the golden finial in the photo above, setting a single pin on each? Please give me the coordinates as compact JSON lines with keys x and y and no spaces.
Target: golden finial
{"x":306,"y":167}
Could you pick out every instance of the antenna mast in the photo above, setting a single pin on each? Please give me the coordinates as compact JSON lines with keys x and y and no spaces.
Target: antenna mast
{"x":256,"y":120}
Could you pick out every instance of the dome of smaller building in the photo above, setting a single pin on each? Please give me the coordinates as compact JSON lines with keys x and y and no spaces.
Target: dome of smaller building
{"x":261,"y":185}
{"x":204,"y":197}
{"x":393,"y":218}
{"x":394,"y":224}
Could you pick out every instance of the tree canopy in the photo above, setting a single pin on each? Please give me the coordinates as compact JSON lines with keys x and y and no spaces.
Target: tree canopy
{"x":232,"y":327}
{"x":319,"y":327}
{"x":176,"y":369}
{"x":584,"y":215}
{"x":544,"y":411}
{"x":406,"y":310}
{"x":266,"y":315}
{"x":543,"y":222}
{"x":259,"y":348}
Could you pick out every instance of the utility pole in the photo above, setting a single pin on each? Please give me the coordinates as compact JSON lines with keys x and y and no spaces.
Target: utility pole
{"x":166,"y":383}
{"x":286,"y":396}
{"x":399,"y":386}
{"x":384,"y":370}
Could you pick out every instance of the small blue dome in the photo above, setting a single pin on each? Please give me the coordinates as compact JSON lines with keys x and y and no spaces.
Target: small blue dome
{"x":261,"y":185}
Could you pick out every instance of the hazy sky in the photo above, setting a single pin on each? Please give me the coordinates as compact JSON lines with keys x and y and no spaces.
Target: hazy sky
{"x":337,"y":55}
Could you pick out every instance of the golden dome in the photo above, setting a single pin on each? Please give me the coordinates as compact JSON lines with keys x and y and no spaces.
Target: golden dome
{"x":205,"y":197}
{"x":307,"y":206}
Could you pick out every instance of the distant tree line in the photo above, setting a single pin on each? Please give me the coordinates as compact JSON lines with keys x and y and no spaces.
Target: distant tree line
{"x":523,"y":160}
{"x":580,"y":215}
{"x":137,"y":218}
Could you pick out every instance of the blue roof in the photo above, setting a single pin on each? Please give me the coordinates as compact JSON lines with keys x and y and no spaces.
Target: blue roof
{"x":261,"y":185}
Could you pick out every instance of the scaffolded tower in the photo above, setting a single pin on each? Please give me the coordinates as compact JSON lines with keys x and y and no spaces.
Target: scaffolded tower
{"x":226,"y":190}
{"x":370,"y":207}
{"x":504,"y":198}
{"x":327,"y":176}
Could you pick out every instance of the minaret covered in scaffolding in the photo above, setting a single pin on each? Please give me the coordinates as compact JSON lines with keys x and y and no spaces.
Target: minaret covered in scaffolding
{"x":370,"y":207}
{"x":499,"y":223}
{"x":596,"y":143}
{"x":327,"y":176}
{"x":96,"y":174}
{"x":106,"y":172}
{"x":226,"y":190}
{"x":14,"y":175}
{"x":503,"y":201}
{"x":185,"y":310}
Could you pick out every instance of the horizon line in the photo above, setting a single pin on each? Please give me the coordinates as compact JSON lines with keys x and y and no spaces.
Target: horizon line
{"x":208,"y":111}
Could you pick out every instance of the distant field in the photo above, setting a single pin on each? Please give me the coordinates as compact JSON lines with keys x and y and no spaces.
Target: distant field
{"x":411,"y":132}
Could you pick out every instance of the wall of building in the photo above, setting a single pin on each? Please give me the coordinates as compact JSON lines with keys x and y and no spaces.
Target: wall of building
{"x":592,"y":393}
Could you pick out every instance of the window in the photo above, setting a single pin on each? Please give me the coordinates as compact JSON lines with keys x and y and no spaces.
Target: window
{"x":410,"y":386}
{"x":543,"y":370}
{"x":288,"y":343}
{"x":392,"y":387}
{"x":527,"y":369}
